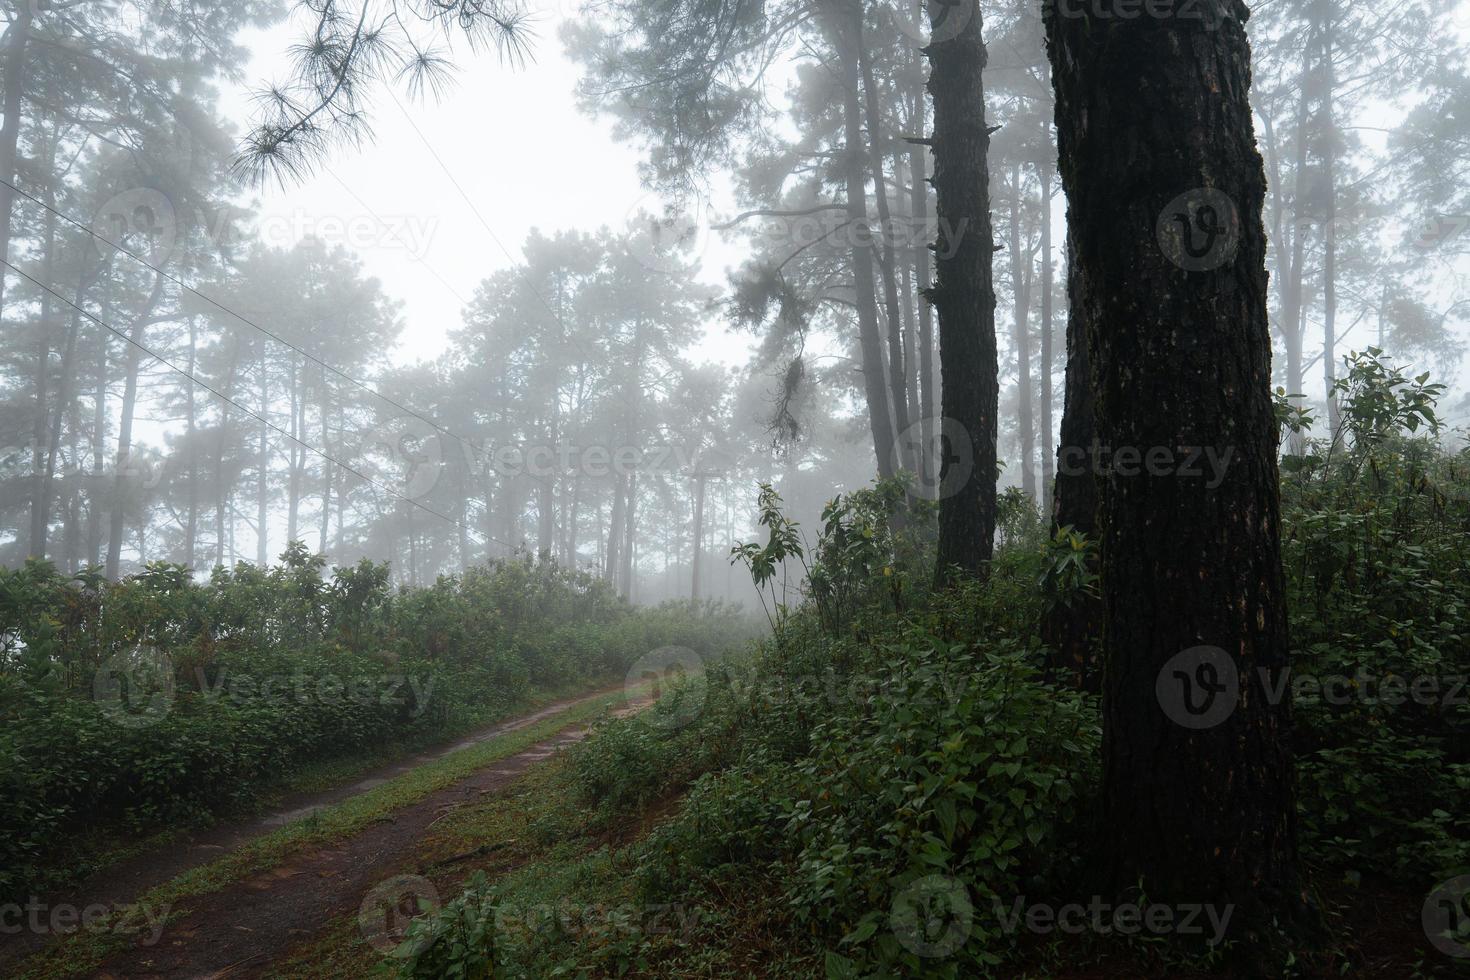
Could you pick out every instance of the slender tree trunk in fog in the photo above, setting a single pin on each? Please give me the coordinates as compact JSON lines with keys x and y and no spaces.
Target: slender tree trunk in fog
{"x":1043,"y":173}
{"x":964,"y":294}
{"x":17,"y":39}
{"x":117,"y":521}
{"x":72,"y":531}
{"x":191,"y":524}
{"x":41,"y":436}
{"x":630,"y":539}
{"x":1291,"y":323}
{"x":1324,"y":15}
{"x":546,"y":516}
{"x":263,"y":470}
{"x":698,"y":536}
{"x":574,"y":512}
{"x":613,"y":569}
{"x":919,"y":218}
{"x":95,"y":495}
{"x":324,"y":413}
{"x":222,"y":516}
{"x":294,"y":459}
{"x":845,"y":25}
{"x":1173,"y":284}
{"x":1021,"y":294}
{"x":887,"y":263}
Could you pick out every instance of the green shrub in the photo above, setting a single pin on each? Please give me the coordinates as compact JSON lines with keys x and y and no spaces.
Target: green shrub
{"x":263,"y":671}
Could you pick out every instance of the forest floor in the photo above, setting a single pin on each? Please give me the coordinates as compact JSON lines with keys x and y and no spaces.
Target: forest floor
{"x":231,"y":900}
{"x":324,"y":886}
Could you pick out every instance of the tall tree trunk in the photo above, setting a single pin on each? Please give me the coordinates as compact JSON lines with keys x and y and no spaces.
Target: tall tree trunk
{"x":324,"y":413}
{"x":117,"y":520}
{"x":1291,"y":324}
{"x":573,"y":515}
{"x":1325,"y":15}
{"x":545,"y":515}
{"x":72,"y":531}
{"x":16,"y":55}
{"x":1194,"y":808}
{"x":1021,"y":297}
{"x":887,"y":263}
{"x":964,"y":295}
{"x":223,"y":517}
{"x":845,"y":24}
{"x":698,"y":561}
{"x":462,"y":543}
{"x":41,"y":464}
{"x":630,"y":539}
{"x":191,"y":437}
{"x":95,"y":483}
{"x":263,"y":469}
{"x":295,"y":459}
{"x":1071,"y":626}
{"x":1043,"y":173}
{"x":613,"y":569}
{"x":919,"y":217}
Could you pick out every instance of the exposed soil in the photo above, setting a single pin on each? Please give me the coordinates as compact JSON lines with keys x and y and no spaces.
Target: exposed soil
{"x":244,"y":926}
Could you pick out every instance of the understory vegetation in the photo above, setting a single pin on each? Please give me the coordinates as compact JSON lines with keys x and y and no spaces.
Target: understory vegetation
{"x":160,"y":701}
{"x":880,"y":785}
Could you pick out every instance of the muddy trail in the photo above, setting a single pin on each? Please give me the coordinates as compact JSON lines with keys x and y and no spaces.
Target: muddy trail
{"x":240,"y":929}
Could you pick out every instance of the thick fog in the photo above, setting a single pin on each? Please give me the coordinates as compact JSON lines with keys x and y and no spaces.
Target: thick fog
{"x":555,"y":280}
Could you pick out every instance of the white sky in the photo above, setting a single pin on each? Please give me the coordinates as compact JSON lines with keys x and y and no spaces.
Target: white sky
{"x":516,"y":143}
{"x":512,"y":138}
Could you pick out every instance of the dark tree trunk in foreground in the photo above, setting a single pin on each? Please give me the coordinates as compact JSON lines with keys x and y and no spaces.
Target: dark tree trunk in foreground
{"x":963,"y":293}
{"x":1174,"y":292}
{"x":1070,"y":630}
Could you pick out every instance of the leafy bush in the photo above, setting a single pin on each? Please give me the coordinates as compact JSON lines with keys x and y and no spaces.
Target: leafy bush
{"x":1377,"y":553}
{"x":258,"y":672}
{"x":456,"y":941}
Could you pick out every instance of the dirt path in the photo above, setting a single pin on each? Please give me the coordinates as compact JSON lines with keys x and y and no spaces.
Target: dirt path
{"x":265,"y":913}
{"x":242,"y":929}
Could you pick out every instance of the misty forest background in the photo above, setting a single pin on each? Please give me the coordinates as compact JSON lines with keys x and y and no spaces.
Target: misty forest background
{"x":307,"y":422}
{"x":222,"y":461}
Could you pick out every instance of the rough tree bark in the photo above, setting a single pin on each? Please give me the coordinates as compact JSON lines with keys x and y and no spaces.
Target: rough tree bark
{"x":963,"y":293}
{"x":1172,"y":280}
{"x":1043,"y":173}
{"x":1070,"y":631}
